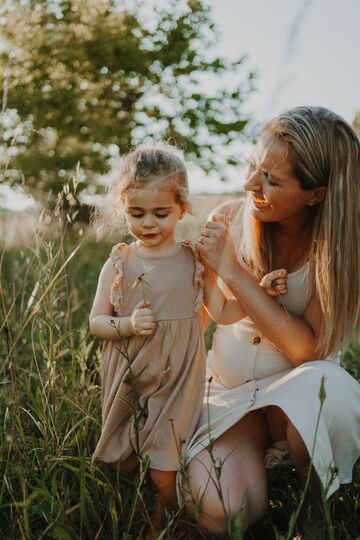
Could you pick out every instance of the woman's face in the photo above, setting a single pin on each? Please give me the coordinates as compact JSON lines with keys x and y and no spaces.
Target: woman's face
{"x":275,"y":192}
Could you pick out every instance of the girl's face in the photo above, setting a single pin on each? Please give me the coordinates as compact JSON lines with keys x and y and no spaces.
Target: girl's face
{"x":276,"y":194}
{"x":151,"y":216}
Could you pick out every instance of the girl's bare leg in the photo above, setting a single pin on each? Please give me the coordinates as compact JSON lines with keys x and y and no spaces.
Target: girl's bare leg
{"x":240,"y":454}
{"x":126,"y":466}
{"x":165,"y":481}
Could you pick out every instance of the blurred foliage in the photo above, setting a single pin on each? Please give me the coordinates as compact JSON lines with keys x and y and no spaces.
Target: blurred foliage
{"x":84,"y":80}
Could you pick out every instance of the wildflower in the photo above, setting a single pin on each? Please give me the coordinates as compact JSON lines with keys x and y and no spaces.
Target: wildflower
{"x":141,"y":281}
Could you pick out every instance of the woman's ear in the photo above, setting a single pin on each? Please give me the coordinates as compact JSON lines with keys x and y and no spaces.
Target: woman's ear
{"x":317,"y":196}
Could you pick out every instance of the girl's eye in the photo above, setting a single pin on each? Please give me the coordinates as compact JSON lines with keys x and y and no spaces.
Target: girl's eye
{"x":136,"y":215}
{"x":161,"y":215}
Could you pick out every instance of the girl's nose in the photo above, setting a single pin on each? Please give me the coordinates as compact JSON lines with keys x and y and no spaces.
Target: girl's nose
{"x":148,"y":220}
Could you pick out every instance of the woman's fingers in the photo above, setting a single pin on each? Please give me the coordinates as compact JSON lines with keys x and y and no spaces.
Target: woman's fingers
{"x":215,"y":223}
{"x":278,"y":282}
{"x":275,"y":282}
{"x":216,"y":248}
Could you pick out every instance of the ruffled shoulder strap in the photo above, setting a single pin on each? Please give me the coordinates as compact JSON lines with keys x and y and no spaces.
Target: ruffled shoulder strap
{"x":117,"y":256}
{"x":198,"y":275}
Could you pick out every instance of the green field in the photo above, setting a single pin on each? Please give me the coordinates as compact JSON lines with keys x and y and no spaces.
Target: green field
{"x":50,"y":405}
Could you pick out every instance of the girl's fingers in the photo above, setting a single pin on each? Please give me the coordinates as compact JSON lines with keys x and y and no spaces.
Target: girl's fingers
{"x":146,"y":331}
{"x":145,"y":312}
{"x":142,"y":305}
{"x":147,"y":325}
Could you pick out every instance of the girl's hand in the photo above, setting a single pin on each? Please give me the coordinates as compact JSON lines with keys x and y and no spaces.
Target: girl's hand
{"x":216,"y":247}
{"x":275,"y":282}
{"x":142,"y":320}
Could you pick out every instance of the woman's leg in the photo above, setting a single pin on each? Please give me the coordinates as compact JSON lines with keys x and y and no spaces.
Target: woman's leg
{"x":281,"y":428}
{"x":239,"y":458}
{"x":280,"y":424}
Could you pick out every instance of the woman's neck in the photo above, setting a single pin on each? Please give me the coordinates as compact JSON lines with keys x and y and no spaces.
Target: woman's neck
{"x":291,"y":244}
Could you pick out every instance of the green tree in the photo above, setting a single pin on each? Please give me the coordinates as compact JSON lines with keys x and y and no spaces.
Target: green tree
{"x":84,"y":80}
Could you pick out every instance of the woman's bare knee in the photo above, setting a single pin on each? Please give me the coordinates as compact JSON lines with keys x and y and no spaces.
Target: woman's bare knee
{"x":239,"y":491}
{"x":244,"y":510}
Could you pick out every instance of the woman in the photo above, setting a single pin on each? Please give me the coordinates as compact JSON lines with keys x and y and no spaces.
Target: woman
{"x":270,"y":372}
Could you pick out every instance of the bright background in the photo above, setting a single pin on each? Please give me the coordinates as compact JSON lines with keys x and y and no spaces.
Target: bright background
{"x":303,"y":51}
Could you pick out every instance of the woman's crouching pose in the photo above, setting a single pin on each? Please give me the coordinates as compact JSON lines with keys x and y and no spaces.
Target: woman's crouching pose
{"x":274,"y":380}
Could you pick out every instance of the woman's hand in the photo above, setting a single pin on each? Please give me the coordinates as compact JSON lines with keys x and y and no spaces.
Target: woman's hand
{"x":216,"y":247}
{"x":142,"y":320}
{"x":275,"y":282}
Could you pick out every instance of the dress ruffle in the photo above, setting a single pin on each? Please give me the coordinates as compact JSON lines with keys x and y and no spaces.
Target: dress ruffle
{"x":116,"y":291}
{"x":198,"y":276}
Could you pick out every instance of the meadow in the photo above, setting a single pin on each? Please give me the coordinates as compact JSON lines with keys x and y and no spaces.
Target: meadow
{"x":50,"y":404}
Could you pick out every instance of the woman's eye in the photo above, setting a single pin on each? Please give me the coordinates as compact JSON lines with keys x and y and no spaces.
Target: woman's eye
{"x":161,"y":215}
{"x":267,"y":177}
{"x":136,"y":215}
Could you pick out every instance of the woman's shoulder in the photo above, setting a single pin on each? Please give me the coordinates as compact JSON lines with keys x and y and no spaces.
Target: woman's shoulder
{"x":227,"y":210}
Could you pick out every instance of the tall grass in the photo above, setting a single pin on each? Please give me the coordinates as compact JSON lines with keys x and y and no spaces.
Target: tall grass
{"x":50,"y":412}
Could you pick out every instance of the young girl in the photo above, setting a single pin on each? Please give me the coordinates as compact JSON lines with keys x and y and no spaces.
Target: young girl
{"x":151,"y":292}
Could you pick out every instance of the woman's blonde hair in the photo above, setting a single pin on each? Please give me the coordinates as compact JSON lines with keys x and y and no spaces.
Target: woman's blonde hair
{"x":154,"y":165}
{"x":324,"y":151}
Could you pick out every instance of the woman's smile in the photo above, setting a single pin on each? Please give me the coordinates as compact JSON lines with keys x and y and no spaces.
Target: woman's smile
{"x":260,"y":203}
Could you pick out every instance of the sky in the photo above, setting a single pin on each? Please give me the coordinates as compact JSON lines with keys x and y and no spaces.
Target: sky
{"x":305,"y":52}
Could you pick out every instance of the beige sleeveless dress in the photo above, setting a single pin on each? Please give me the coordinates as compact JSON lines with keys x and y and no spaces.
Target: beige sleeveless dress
{"x":153,"y":386}
{"x":246,"y":371}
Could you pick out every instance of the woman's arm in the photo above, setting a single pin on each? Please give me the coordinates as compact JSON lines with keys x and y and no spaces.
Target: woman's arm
{"x":296,"y":337}
{"x":103,"y":323}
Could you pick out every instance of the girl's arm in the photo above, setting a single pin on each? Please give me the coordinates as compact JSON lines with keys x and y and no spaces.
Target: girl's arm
{"x":222,"y":309}
{"x":102,"y":319}
{"x":297,"y":337}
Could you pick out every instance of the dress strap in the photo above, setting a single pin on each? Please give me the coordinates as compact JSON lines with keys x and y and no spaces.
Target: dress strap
{"x":117,"y":256}
{"x":198,"y":275}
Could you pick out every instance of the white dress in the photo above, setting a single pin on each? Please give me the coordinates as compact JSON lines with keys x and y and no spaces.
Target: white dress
{"x":248,"y":372}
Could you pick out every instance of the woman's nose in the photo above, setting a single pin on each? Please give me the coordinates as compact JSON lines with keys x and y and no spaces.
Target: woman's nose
{"x":252,"y":181}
